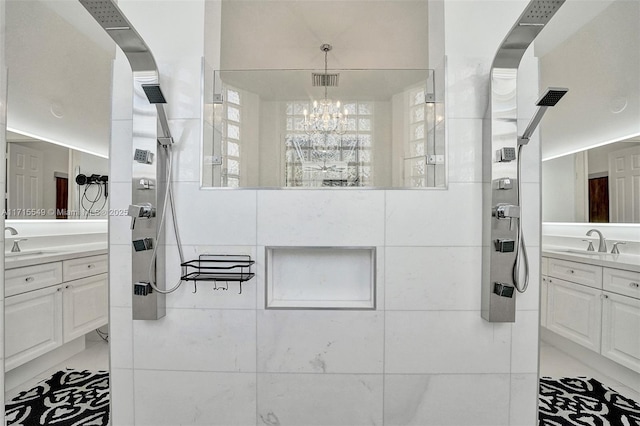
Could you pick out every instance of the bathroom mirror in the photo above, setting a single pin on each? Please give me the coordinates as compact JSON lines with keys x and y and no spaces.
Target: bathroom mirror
{"x":385,"y":129}
{"x":594,"y":185}
{"x":50,"y":181}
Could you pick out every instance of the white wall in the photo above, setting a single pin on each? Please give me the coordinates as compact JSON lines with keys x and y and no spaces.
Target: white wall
{"x":600,"y":65}
{"x":53,"y":64}
{"x":559,"y":189}
{"x":221,"y":358}
{"x":3,"y":127}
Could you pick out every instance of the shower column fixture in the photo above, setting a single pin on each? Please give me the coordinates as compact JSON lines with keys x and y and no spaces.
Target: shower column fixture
{"x":152,"y":140}
{"x":501,"y":215}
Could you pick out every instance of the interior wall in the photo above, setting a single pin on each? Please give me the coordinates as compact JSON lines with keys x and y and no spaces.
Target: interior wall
{"x":3,"y":149}
{"x":559,"y":186}
{"x":600,"y":65}
{"x":221,"y":358}
{"x":55,"y":68}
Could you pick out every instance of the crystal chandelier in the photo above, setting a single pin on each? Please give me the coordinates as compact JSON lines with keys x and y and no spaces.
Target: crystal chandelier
{"x":325,"y":116}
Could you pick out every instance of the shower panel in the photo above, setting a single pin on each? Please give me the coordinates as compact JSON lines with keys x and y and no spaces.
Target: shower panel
{"x":501,"y":207}
{"x":151,"y":141}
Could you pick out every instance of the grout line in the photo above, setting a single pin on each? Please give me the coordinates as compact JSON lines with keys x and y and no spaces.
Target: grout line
{"x":384,"y":301}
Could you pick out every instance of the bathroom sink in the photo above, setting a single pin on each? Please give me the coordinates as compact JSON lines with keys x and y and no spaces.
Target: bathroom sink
{"x":23,"y":253}
{"x":588,"y":253}
{"x":27,"y":253}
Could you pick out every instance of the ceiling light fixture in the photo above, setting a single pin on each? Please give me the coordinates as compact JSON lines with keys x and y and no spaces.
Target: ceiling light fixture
{"x":325,"y":116}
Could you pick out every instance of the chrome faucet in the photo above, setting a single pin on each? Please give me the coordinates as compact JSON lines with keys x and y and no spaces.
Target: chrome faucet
{"x":602,"y":245}
{"x":11,"y":229}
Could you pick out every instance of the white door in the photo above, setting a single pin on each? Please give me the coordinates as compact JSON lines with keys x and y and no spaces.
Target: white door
{"x":624,"y":185}
{"x":574,"y":311}
{"x":33,"y":325}
{"x":85,"y":306}
{"x":621,"y":330}
{"x":25,"y":184}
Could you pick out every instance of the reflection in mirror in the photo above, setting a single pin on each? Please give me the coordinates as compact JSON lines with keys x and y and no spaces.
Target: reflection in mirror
{"x":49,"y":181}
{"x":595,"y":185}
{"x":264,"y":129}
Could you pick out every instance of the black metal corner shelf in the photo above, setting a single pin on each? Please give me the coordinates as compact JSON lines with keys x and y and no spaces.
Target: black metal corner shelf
{"x":218,"y":268}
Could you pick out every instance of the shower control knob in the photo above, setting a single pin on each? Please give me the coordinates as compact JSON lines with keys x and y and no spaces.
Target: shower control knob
{"x":137,"y":211}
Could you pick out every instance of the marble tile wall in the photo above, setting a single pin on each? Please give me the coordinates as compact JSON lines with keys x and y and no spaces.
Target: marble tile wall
{"x":423,"y":357}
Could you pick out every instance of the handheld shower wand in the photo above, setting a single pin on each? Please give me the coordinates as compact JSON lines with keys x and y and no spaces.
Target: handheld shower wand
{"x":549,"y":99}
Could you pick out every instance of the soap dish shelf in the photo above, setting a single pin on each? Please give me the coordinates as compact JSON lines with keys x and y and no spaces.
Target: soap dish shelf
{"x":218,"y":268}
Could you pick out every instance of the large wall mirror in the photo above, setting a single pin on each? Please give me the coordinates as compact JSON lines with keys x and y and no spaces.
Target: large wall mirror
{"x":384,"y":129}
{"x":598,"y":185}
{"x":50,"y":181}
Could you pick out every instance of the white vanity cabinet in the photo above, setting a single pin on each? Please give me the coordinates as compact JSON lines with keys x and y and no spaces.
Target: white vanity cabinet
{"x":574,"y":311}
{"x":33,"y":325}
{"x":50,"y":304}
{"x":595,"y":306}
{"x":621,"y":330}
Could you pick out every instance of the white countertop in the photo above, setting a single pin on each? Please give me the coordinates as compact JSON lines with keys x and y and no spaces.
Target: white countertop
{"x":627,"y":262}
{"x":53,"y":254}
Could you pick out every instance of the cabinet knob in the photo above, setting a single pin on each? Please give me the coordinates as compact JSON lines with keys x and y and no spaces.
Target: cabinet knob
{"x":571,"y":271}
{"x":68,"y":286}
{"x":29,"y":279}
{"x":91,"y":265}
{"x":59,"y":289}
{"x":634,"y":285}
{"x":604,"y":296}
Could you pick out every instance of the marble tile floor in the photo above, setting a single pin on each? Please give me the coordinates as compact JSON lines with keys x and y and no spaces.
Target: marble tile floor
{"x":556,"y":363}
{"x":94,"y":357}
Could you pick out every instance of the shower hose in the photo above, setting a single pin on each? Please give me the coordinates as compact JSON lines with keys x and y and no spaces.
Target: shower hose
{"x":167,"y":196}
{"x":521,"y":249}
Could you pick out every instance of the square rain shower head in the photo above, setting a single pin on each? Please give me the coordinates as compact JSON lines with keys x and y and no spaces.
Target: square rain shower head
{"x":154,"y":94}
{"x":551,"y":96}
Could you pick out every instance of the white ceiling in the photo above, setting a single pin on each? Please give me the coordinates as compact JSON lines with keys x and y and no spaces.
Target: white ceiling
{"x":572,"y":16}
{"x":258,"y":34}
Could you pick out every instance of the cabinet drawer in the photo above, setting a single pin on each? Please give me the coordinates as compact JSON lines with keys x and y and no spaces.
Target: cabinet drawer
{"x":29,"y":278}
{"x":621,"y":330}
{"x":622,"y":282}
{"x":575,"y":272}
{"x":574,"y":311}
{"x":82,"y":267}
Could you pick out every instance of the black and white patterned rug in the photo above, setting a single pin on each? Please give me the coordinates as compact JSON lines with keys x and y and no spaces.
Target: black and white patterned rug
{"x":68,"y":398}
{"x":81,"y":398}
{"x":580,"y":401}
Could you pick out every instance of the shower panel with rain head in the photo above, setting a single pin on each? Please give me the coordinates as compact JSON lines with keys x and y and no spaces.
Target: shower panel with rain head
{"x":152,"y":165}
{"x":503,"y":243}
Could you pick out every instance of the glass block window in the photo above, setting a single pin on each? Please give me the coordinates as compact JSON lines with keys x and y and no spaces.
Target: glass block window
{"x":415,"y":165}
{"x":231,"y":137}
{"x":329,"y":159}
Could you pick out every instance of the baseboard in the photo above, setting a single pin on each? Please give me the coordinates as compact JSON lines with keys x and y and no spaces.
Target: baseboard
{"x":29,"y":370}
{"x":593,"y":359}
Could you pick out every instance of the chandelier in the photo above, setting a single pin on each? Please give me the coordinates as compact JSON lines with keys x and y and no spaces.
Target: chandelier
{"x":325,"y":116}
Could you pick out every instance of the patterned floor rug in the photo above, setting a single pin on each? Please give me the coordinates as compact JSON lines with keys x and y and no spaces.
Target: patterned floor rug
{"x":68,"y":398}
{"x":580,"y":401}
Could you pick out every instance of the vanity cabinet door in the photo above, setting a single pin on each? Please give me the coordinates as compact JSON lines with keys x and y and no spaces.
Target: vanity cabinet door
{"x":581,"y":273}
{"x":622,"y":282}
{"x":575,"y":311}
{"x":33,"y":325}
{"x":85,"y":306}
{"x":621,"y":330}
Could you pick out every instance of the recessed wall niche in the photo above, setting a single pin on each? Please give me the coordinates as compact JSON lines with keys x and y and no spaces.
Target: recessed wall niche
{"x":320,"y":278}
